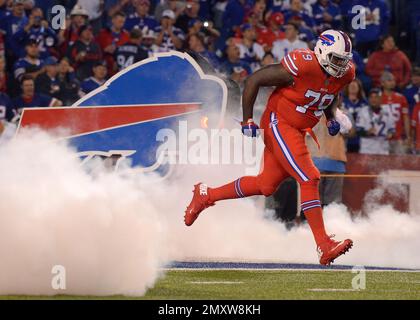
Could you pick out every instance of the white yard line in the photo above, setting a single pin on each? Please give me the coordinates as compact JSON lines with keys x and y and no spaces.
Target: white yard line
{"x":332,"y":290}
{"x":215,"y":282}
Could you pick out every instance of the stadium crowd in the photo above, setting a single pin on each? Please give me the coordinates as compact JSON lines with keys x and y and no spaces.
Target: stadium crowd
{"x":43,"y":66}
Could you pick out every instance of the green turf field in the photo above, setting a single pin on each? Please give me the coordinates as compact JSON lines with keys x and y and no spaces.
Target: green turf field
{"x":273,"y":285}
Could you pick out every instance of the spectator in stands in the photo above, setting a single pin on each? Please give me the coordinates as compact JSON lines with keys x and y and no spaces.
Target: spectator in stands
{"x":176,"y":6}
{"x":412,"y":91}
{"x":69,"y":85}
{"x":32,"y":99}
{"x":2,"y":45}
{"x":30,"y":64}
{"x":330,"y":158}
{"x":205,"y":29}
{"x":84,"y":53}
{"x":68,"y":36}
{"x":169,"y":37}
{"x":36,"y":28}
{"x":218,"y":11}
{"x":99,"y":71}
{"x":359,"y":63}
{"x":109,"y":39}
{"x":398,"y":105}
{"x":120,"y":5}
{"x":234,"y":14}
{"x":4,"y":9}
{"x":131,"y":52}
{"x":46,"y":5}
{"x":327,"y":15}
{"x":282,"y":47}
{"x":389,"y":58}
{"x":377,"y":16}
{"x":197,"y":46}
{"x":256,"y":17}
{"x":267,"y":59}
{"x":264,"y":92}
{"x":346,"y":14}
{"x":235,"y":68}
{"x":141,"y":18}
{"x":28,"y":5}
{"x":375,"y":125}
{"x":354,"y":100}
{"x":306,"y":34}
{"x":7,"y":111}
{"x":266,"y":36}
{"x":95,"y":10}
{"x":278,"y":5}
{"x":415,"y":128}
{"x":148,"y":42}
{"x":297,"y":11}
{"x":47,"y":82}
{"x":250,"y":51}
{"x":232,"y":18}
{"x":190,"y":13}
{"x":12,"y":23}
{"x":3,"y":75}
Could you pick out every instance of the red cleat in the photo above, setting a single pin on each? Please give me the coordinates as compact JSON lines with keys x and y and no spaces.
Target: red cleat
{"x":199,"y":202}
{"x":330,"y":249}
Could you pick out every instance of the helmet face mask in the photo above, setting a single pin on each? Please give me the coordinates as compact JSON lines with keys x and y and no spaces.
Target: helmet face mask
{"x":333,"y":51}
{"x":337,"y":65}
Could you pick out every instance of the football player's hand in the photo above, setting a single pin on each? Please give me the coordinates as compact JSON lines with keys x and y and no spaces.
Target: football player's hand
{"x":333,"y":127}
{"x":250,"y":128}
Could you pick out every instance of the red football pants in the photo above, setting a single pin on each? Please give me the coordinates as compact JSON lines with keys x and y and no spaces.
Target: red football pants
{"x":285,"y":155}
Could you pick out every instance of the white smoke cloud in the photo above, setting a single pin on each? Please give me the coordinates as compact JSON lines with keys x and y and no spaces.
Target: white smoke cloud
{"x":113,"y":231}
{"x":102,"y":229}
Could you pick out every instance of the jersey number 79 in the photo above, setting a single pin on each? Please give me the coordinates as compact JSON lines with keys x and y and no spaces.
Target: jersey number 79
{"x":324,"y":101}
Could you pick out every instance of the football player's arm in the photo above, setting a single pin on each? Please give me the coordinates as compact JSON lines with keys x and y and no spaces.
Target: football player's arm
{"x":274,"y":75}
{"x":334,"y":124}
{"x":330,"y":111}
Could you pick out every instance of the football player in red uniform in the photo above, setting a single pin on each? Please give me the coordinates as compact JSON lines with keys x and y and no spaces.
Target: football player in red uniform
{"x":307,"y":85}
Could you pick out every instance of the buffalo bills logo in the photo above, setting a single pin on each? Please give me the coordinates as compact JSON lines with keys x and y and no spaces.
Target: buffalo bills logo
{"x":122,"y":118}
{"x":327,"y":39}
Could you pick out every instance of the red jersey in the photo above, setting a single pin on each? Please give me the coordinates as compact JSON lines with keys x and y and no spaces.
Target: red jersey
{"x":399,"y":107}
{"x":266,"y":37}
{"x":415,"y":123}
{"x":106,"y":38}
{"x":313,"y":90}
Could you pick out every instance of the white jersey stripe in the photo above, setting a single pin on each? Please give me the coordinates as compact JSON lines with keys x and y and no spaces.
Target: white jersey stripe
{"x":293,"y":64}
{"x":286,"y":152}
{"x":288,"y":67}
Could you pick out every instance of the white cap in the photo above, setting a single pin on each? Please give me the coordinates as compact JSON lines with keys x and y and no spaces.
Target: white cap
{"x":79,"y":11}
{"x":169,"y":14}
{"x":149,"y":33}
